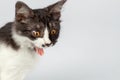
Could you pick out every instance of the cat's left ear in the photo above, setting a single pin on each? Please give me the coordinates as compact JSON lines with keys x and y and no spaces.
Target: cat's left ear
{"x":22,"y":12}
{"x":55,"y":9}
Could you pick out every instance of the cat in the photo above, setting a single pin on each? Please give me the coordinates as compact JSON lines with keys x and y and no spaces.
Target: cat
{"x":22,"y":40}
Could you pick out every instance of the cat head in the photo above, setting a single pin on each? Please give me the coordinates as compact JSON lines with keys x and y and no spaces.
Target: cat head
{"x":38,"y":27}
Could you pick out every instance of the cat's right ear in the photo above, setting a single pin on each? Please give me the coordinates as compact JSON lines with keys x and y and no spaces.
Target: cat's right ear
{"x":55,"y":9}
{"x":22,"y":12}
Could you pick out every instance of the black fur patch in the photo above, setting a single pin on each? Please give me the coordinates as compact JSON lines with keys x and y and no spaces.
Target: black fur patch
{"x":6,"y":36}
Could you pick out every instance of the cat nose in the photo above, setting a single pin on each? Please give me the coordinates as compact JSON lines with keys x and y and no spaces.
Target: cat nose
{"x":46,"y":45}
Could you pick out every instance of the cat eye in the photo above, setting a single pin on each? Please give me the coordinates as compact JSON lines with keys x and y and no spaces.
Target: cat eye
{"x":36,"y":34}
{"x":53,"y":32}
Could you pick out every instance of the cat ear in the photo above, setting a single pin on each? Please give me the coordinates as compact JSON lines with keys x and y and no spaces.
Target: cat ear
{"x":57,"y":6}
{"x":55,"y":9}
{"x":22,"y":11}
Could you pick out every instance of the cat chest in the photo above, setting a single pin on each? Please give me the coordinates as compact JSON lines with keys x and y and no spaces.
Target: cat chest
{"x":9,"y":56}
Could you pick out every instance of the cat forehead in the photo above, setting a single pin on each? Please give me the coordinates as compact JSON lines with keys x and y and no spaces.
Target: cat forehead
{"x":40,"y":15}
{"x":36,"y":26}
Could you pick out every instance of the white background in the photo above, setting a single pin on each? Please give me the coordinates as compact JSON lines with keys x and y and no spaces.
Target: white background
{"x":89,"y":44}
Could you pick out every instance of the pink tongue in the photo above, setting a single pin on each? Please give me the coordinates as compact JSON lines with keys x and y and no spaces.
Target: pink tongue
{"x":40,"y":51}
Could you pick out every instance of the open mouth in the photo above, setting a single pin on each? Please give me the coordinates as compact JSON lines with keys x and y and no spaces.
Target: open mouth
{"x":40,"y":51}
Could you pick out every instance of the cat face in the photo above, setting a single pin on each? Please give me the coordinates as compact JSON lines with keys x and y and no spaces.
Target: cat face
{"x":39,"y":27}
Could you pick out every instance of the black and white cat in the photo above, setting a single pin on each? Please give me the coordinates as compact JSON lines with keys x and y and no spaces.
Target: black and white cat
{"x":27,"y":35}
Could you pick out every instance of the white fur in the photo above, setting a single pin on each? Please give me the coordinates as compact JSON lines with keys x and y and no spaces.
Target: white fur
{"x":46,"y":37}
{"x":42,"y":41}
{"x":15,"y":64}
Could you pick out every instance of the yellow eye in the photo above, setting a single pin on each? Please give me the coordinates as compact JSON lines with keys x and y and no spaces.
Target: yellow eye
{"x":36,"y":34}
{"x":53,"y":32}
